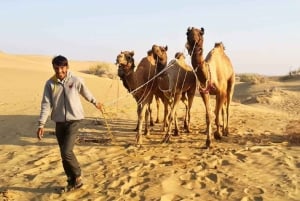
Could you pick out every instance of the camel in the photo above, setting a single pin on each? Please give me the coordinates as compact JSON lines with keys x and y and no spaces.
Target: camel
{"x":177,"y":80}
{"x":140,"y":83}
{"x":121,"y":74}
{"x":216,"y":76}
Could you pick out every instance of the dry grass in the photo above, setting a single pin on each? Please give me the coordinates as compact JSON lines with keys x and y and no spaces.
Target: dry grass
{"x":252,"y":78}
{"x":103,"y":69}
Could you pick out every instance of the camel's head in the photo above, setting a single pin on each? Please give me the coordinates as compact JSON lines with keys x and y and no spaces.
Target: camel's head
{"x":160,"y":55}
{"x":220,"y":45}
{"x":125,"y":62}
{"x":194,"y":40}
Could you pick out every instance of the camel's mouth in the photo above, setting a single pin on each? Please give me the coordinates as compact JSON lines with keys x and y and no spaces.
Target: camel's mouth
{"x":192,"y":49}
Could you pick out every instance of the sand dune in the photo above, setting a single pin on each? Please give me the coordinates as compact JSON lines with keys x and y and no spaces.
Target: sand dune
{"x":259,"y":160}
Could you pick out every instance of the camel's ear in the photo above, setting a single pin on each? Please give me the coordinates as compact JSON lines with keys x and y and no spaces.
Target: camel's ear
{"x":166,"y":48}
{"x":202,"y":30}
{"x":131,"y":53}
{"x":188,"y":30}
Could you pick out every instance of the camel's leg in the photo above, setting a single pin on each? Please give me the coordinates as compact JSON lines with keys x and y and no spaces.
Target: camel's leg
{"x":230,"y":90}
{"x":150,"y":114}
{"x":147,"y":114}
{"x":174,"y":115}
{"x":141,"y":111}
{"x":137,"y":126}
{"x":191,"y":95}
{"x":137,"y":111}
{"x":185,"y":121}
{"x":176,"y":130}
{"x":205,"y":98}
{"x":220,"y":100}
{"x":157,"y":107}
{"x":166,"y":115}
{"x":171,"y":117}
{"x":224,"y":121}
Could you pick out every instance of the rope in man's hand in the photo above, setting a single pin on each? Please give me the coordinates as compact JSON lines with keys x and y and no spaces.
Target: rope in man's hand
{"x":100,"y":107}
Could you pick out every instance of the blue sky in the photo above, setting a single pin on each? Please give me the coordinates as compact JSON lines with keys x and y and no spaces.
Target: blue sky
{"x":260,"y":36}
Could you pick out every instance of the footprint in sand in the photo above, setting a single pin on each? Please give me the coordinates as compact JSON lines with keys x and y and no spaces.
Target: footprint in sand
{"x":241,"y":157}
{"x":254,"y":193}
{"x":252,"y":190}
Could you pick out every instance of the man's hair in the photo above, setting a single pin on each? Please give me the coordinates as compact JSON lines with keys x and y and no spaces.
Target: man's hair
{"x":60,"y":61}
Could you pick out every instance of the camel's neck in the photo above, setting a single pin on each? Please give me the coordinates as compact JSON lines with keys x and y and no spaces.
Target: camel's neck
{"x":200,"y":67}
{"x":141,"y":79}
{"x":133,"y":81}
{"x":160,"y":66}
{"x":130,"y":79}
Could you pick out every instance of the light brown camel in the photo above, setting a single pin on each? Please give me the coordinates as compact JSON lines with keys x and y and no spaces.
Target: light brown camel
{"x":216,"y":76}
{"x":176,"y":80}
{"x":140,"y":83}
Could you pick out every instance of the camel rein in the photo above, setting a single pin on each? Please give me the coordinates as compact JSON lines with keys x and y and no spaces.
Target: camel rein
{"x":133,"y":91}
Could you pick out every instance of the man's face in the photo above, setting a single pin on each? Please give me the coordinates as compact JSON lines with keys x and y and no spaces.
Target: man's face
{"x":60,"y":71}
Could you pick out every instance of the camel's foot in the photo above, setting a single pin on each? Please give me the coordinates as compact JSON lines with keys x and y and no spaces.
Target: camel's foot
{"x":206,"y":132}
{"x":147,"y":132}
{"x":208,"y":143}
{"x":138,"y":140}
{"x":166,"y":138}
{"x":157,"y":121}
{"x":188,"y":130}
{"x":151,"y":123}
{"x":185,"y":126}
{"x":226,"y":132}
{"x":164,"y":129}
{"x":176,"y":132}
{"x":217,"y":135}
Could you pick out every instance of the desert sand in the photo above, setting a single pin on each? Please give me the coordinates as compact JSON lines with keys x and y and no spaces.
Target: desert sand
{"x":258,"y":161}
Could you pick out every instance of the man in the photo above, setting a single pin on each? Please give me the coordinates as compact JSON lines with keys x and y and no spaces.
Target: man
{"x":62,"y":98}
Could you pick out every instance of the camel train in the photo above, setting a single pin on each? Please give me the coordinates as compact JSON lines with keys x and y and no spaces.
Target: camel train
{"x":143,"y":86}
{"x":175,"y":81}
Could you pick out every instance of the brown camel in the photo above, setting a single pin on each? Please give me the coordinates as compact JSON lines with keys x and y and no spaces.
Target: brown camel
{"x":176,"y":80}
{"x":130,"y":64}
{"x":216,"y":76}
{"x":141,"y":83}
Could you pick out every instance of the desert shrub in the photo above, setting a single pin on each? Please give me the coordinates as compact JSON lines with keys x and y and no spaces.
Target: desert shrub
{"x":252,"y":78}
{"x":290,"y":77}
{"x":103,"y":70}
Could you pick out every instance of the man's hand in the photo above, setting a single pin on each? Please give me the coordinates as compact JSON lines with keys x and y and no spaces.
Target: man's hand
{"x":40,"y":133}
{"x":99,"y":106}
